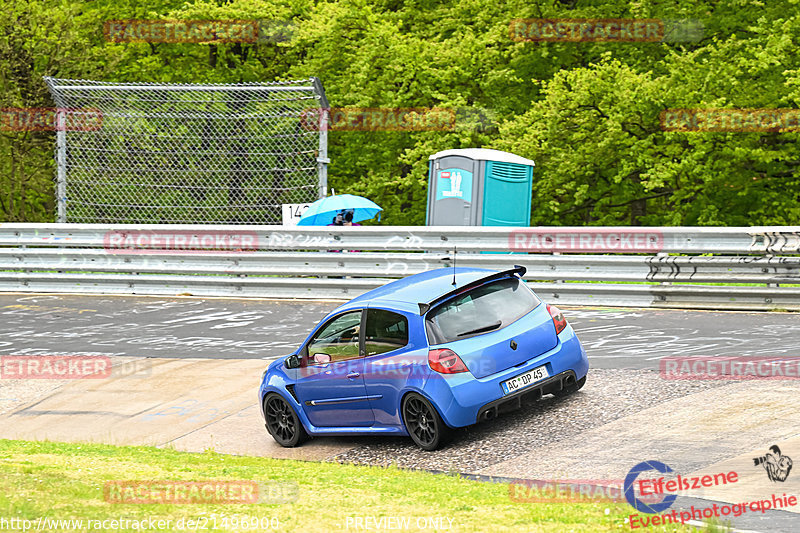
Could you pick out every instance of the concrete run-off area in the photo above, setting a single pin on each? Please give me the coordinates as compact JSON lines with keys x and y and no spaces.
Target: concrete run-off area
{"x":185,"y":371}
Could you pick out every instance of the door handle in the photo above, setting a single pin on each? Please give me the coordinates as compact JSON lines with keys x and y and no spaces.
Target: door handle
{"x":353,"y":375}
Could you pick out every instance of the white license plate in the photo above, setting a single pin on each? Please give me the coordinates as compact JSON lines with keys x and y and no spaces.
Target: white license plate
{"x":524,"y":380}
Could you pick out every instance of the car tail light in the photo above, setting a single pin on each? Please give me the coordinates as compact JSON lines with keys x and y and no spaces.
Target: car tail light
{"x":446,"y":361}
{"x":558,"y":318}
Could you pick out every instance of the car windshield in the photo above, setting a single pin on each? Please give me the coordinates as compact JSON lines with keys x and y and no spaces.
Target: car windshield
{"x":481,"y":310}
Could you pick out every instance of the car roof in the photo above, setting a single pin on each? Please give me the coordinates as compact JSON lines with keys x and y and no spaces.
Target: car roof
{"x":425,"y":287}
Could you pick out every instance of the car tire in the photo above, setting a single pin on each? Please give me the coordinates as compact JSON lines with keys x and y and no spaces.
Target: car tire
{"x":282,"y":422}
{"x":571,"y":389}
{"x":423,"y":423}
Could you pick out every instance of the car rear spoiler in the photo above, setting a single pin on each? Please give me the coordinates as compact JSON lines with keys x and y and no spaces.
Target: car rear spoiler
{"x":425,"y":307}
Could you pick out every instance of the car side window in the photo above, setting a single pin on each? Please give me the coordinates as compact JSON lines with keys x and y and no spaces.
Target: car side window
{"x":339,"y":338}
{"x":385,"y":331}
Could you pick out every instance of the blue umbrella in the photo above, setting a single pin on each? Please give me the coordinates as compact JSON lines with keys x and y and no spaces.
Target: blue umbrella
{"x":323,"y":211}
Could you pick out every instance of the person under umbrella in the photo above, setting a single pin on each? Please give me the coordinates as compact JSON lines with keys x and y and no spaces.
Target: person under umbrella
{"x":344,"y":218}
{"x":327,"y":211}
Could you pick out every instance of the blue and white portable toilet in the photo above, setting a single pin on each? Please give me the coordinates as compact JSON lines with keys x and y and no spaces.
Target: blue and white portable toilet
{"x":479,"y":187}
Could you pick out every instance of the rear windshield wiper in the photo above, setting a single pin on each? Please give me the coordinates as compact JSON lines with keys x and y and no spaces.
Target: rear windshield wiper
{"x":490,"y":327}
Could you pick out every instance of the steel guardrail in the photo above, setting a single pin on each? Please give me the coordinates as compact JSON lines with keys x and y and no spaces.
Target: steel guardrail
{"x":766,"y":240}
{"x":632,"y":266}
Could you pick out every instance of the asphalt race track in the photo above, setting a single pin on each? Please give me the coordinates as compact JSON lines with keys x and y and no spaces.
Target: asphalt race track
{"x":197,"y":362}
{"x":262,"y":329}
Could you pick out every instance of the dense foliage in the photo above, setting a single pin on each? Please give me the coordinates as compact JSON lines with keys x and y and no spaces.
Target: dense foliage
{"x":586,"y":112}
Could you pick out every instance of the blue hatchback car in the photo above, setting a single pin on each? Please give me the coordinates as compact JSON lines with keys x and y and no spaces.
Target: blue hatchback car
{"x":419,"y":356}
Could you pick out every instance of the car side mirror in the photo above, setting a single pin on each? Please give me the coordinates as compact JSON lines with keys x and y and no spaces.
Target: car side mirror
{"x":322,"y":358}
{"x":293,"y":361}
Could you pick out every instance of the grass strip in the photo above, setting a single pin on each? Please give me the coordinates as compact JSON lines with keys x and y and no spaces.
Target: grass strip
{"x":65,"y":481}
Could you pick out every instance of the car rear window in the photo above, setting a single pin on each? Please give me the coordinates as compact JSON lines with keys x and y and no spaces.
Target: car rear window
{"x":486,"y":308}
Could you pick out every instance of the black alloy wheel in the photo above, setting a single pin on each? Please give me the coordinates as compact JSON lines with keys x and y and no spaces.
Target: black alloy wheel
{"x":423,"y":423}
{"x":282,"y":422}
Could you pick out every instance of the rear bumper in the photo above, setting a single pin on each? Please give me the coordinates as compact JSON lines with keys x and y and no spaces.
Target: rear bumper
{"x":528,"y":394}
{"x":463,"y":399}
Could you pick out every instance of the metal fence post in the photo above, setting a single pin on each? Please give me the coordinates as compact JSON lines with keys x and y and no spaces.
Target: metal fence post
{"x":322,"y":154}
{"x":322,"y":159}
{"x":61,"y":171}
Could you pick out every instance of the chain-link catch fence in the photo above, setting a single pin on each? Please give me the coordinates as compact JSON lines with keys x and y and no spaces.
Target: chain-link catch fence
{"x":184,"y":153}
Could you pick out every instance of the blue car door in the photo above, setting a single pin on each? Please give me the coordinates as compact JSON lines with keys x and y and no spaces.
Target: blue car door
{"x":388,"y":365}
{"x":330,"y":384}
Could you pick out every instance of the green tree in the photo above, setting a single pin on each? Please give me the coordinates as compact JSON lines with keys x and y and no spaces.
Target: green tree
{"x":586,"y":112}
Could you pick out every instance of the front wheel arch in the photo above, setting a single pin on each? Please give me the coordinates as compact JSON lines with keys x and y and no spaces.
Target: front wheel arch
{"x":282,"y":421}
